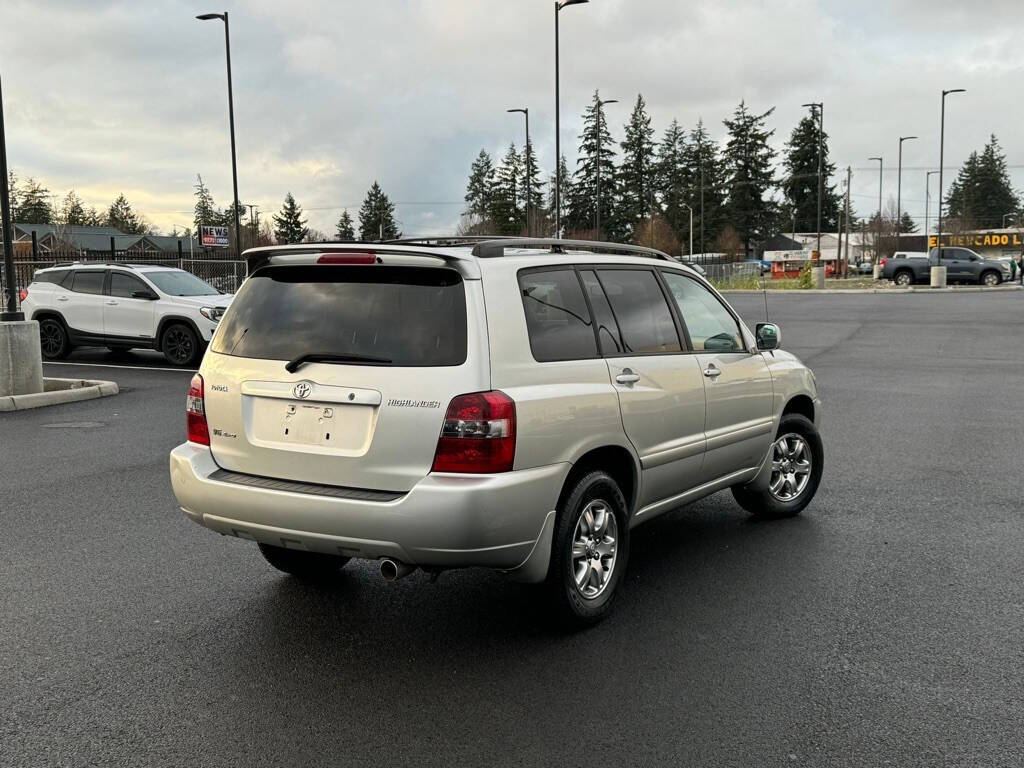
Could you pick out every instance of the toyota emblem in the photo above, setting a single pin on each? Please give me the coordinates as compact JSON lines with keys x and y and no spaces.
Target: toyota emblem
{"x":302,"y":390}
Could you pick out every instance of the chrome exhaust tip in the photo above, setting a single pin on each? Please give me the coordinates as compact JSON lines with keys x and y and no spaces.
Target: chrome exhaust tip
{"x":393,"y":570}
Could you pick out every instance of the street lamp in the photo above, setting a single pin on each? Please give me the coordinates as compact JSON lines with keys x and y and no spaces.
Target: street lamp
{"x":231,"y":120}
{"x":939,"y":272}
{"x":559,"y":5}
{"x":9,"y":310}
{"x":526,"y":113}
{"x":878,"y":242}
{"x":899,"y":183}
{"x":927,"y":196}
{"x":818,"y":108}
{"x":686,"y":205}
{"x":600,"y":106}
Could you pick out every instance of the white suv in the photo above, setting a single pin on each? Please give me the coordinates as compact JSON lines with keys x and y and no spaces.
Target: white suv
{"x":518,"y":405}
{"x":123,"y":306}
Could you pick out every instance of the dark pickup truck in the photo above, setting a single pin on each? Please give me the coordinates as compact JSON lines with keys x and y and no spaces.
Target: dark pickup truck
{"x":962,"y":266}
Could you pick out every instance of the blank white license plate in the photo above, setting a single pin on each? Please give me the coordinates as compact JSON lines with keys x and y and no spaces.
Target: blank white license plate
{"x":340,"y":427}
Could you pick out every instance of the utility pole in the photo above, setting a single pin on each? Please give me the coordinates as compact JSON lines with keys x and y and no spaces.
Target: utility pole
{"x":846,"y":256}
{"x":10,"y":308}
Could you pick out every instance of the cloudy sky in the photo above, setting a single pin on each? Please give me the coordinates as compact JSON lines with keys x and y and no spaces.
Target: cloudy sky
{"x":110,"y":97}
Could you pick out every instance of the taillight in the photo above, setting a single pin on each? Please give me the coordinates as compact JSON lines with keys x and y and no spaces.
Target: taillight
{"x":347,"y":258}
{"x":478,"y":435}
{"x":24,"y":294}
{"x":195,"y":412}
{"x":881,"y":263}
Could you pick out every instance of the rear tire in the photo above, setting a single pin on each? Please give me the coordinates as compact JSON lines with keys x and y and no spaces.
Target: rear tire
{"x":589,"y":551}
{"x":179,"y":344}
{"x":789,"y":489}
{"x":306,"y":566}
{"x":53,"y":339}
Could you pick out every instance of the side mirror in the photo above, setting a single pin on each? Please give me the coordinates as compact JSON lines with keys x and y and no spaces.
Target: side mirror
{"x":144,"y":295}
{"x":768,"y":336}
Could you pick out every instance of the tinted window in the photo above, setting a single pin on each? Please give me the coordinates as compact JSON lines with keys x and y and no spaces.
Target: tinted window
{"x":607,"y":328}
{"x":51,"y":277}
{"x":87,"y":282}
{"x":125,"y":285}
{"x":556,"y":316}
{"x":406,"y":315}
{"x":644,"y":318}
{"x":710,"y":325}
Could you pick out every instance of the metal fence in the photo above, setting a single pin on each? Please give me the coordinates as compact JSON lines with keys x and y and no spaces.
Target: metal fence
{"x":732,"y":272}
{"x":226,"y":275}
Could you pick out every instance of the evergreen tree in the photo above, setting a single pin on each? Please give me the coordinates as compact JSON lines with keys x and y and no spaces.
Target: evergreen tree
{"x":12,"y":193}
{"x":981,"y":193}
{"x":205,"y":212}
{"x":636,"y":174}
{"x":531,"y":188}
{"x":34,"y":203}
{"x":72,"y":211}
{"x":506,"y":213}
{"x":289,"y":226}
{"x":480,"y":187}
{"x":566,"y":191}
{"x":670,"y":180}
{"x":345,"y":231}
{"x":377,"y":216}
{"x":120,"y":215}
{"x":800,"y":185}
{"x":93,"y":218}
{"x":705,"y":181}
{"x":907,"y":224}
{"x":583,"y":200}
{"x":750,"y":177}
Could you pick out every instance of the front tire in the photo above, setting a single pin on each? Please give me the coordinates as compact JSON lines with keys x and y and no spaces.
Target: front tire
{"x":904,"y":279}
{"x":589,"y":551}
{"x":990,"y":279}
{"x":306,"y":566}
{"x":797,"y":459}
{"x":179,"y":344}
{"x":53,"y":339}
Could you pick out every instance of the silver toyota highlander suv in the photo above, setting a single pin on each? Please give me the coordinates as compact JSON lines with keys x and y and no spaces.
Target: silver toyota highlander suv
{"x":518,"y":405}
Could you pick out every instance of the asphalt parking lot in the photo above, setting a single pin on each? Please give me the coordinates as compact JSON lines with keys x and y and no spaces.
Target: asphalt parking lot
{"x":885,"y":626}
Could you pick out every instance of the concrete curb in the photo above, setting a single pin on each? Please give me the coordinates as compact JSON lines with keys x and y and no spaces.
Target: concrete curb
{"x":887,"y":291}
{"x":59,"y":391}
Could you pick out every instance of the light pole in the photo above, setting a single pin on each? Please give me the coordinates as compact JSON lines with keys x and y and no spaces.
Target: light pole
{"x":938,"y":271}
{"x":9,"y":311}
{"x":526,"y":113}
{"x":927,"y":196}
{"x":818,"y":108}
{"x":559,"y":5}
{"x":899,"y":185}
{"x":878,"y":237}
{"x":687,"y":206}
{"x":231,"y":120}
{"x":597,"y":218}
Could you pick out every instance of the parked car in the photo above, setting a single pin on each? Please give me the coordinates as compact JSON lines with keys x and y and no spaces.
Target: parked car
{"x":865,"y":268}
{"x":962,"y":266}
{"x":762,"y":266}
{"x":516,"y":405}
{"x":122,"y":307}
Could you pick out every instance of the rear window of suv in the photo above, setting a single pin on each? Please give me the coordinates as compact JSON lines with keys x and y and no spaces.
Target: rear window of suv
{"x":407,"y":316}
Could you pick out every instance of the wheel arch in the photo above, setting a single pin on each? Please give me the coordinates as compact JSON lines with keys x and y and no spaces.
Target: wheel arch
{"x":617,"y":461}
{"x":800,"y":404}
{"x":169,"y":320}
{"x":999,"y":277}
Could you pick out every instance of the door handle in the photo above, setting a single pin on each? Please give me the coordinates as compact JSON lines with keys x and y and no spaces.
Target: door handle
{"x":627,"y":377}
{"x":112,"y":303}
{"x":62,"y":298}
{"x":712,"y":372}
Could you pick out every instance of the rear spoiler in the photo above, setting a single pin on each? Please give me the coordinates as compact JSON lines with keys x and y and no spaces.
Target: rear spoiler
{"x":257,"y":258}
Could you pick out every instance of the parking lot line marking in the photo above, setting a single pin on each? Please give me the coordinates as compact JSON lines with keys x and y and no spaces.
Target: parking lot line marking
{"x":128,"y":367}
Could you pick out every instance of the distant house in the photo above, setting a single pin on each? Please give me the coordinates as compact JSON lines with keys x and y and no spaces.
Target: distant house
{"x":94,"y":242}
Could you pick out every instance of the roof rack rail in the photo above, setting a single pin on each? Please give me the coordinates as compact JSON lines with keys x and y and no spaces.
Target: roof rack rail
{"x":442,"y":241}
{"x":491,"y":249}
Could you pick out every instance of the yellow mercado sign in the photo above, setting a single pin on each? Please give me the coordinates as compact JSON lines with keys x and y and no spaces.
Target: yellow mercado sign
{"x":978,"y":240}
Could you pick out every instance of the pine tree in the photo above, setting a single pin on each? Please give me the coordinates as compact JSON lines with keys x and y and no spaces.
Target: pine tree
{"x":907,"y":224}
{"x":72,"y":211}
{"x":532,"y":189}
{"x":377,"y":216}
{"x":12,"y":193}
{"x":670,"y":180}
{"x":583,"y":200}
{"x":480,"y":187}
{"x":636,"y":174}
{"x":205,"y":212}
{"x":705,"y":182}
{"x":506,"y":212}
{"x":748,"y":161}
{"x":289,"y":226}
{"x":800,"y":184}
{"x":345,"y":231}
{"x":34,"y":203}
{"x":566,"y":191}
{"x":981,"y":193}
{"x":121,"y":216}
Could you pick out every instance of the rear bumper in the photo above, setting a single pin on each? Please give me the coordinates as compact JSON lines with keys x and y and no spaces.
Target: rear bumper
{"x":493,"y":521}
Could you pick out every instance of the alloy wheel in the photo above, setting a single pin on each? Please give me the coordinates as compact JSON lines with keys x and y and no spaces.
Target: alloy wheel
{"x":51,"y":338}
{"x":791,"y":467}
{"x":178,"y":345}
{"x":594,"y":548}
{"x":991,"y":280}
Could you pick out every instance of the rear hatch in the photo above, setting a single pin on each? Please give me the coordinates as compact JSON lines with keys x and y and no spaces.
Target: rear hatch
{"x":386,"y":349}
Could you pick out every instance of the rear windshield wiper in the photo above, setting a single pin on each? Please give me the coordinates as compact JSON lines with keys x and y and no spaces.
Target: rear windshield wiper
{"x":314,"y":357}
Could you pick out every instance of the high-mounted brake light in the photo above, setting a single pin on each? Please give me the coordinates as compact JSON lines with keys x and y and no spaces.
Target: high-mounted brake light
{"x":478,"y":435}
{"x":347,"y":258}
{"x":195,"y":412}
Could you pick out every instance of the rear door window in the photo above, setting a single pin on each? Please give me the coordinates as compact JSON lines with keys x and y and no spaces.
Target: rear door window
{"x":643,"y":314}
{"x":607,"y":329}
{"x":401,"y":316}
{"x":87,"y":282}
{"x":557,"y":317}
